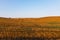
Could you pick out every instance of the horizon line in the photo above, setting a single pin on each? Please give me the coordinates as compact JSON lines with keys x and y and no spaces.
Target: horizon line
{"x":29,"y":17}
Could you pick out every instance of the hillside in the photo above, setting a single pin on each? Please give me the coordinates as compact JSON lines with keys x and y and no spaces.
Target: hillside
{"x":48,"y":27}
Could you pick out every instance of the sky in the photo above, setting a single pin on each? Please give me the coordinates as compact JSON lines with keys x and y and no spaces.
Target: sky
{"x":29,"y":8}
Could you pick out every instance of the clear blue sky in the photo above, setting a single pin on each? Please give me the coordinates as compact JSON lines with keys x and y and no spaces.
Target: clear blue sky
{"x":29,"y":8}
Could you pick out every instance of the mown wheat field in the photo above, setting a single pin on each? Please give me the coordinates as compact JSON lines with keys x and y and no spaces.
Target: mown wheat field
{"x":47,"y":27}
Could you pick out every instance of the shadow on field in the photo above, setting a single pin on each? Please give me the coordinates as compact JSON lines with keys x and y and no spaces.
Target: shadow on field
{"x":20,"y":38}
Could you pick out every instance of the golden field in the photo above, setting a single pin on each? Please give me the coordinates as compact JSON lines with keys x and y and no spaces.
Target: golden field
{"x":48,"y":27}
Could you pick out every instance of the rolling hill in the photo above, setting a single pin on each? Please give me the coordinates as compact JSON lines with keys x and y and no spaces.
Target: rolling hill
{"x":48,"y":27}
